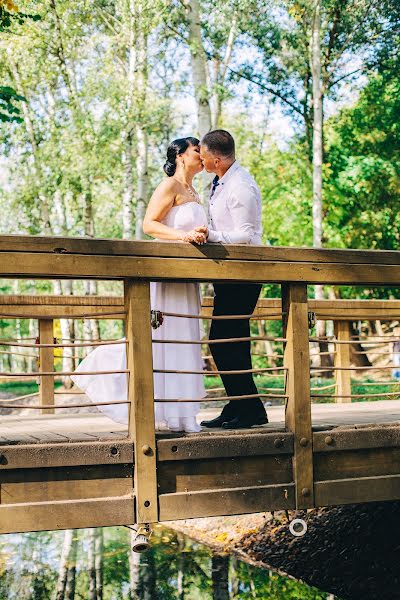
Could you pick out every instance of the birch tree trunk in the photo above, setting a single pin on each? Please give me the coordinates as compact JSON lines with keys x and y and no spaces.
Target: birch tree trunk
{"x":92,"y":564}
{"x":315,"y":52}
{"x":199,"y":66}
{"x":63,"y":570}
{"x":141,"y":125}
{"x":317,"y":160}
{"x":134,"y":569}
{"x":71,"y":577}
{"x":128,"y":131}
{"x":99,"y":564}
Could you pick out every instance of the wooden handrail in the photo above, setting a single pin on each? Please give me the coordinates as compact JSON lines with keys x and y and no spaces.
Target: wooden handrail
{"x":51,"y":257}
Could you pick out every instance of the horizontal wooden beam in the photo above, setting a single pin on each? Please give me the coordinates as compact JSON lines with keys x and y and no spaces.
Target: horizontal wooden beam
{"x":368,"y":462}
{"x":234,"y":501}
{"x":62,"y":266}
{"x":72,"y":514}
{"x":224,"y":445}
{"x":356,"y":439}
{"x":26,"y":456}
{"x":117,"y":247}
{"x":357,"y":490}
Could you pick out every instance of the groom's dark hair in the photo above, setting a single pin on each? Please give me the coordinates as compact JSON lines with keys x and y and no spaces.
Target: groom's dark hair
{"x":220,"y":143}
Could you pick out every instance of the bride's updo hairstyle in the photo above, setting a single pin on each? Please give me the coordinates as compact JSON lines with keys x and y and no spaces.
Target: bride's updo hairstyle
{"x":175,"y":148}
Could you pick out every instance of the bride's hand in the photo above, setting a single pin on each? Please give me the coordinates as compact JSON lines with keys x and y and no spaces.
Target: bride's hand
{"x":202,"y":229}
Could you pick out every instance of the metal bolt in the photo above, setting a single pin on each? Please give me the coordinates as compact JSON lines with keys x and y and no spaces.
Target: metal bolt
{"x":174,"y":448}
{"x":305,"y":492}
{"x":278,"y":443}
{"x":3,"y":460}
{"x":303,"y":442}
{"x":147,"y":503}
{"x":329,"y":440}
{"x":147,"y":450}
{"x":114,"y":451}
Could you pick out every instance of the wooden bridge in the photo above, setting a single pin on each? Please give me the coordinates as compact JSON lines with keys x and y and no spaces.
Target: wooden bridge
{"x":83,"y":470}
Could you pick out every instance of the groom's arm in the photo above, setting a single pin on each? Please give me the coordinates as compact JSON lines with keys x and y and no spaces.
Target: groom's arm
{"x":243,"y":206}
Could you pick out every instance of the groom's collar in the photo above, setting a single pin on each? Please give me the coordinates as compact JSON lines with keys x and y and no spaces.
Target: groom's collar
{"x":225,"y":178}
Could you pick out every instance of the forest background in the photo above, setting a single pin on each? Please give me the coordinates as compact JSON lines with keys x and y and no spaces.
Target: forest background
{"x":92,"y":92}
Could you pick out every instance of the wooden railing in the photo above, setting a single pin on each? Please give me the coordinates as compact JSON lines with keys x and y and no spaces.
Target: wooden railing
{"x":46,"y":309}
{"x":137,"y":263}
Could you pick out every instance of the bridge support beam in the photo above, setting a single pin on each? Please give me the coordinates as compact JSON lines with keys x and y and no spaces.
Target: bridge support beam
{"x":342,"y":359}
{"x":46,"y":364}
{"x":298,"y":407}
{"x":141,"y":397}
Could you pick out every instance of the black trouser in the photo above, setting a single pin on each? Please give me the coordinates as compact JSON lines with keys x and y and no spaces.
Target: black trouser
{"x":235,"y":299}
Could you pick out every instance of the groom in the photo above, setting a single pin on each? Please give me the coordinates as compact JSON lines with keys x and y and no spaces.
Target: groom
{"x":235,"y":218}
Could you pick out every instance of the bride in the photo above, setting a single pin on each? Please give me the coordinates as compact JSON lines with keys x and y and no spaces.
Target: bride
{"x":173,"y":213}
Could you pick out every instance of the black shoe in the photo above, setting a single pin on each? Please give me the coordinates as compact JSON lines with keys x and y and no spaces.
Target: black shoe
{"x":217,"y":422}
{"x":245,"y":422}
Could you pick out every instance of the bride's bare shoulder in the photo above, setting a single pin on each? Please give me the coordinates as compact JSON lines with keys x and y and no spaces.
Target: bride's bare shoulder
{"x":168,"y":185}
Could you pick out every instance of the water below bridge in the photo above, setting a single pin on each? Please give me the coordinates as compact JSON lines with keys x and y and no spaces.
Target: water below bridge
{"x":97,"y":564}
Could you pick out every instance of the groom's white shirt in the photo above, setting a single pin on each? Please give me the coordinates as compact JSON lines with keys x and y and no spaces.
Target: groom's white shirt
{"x":235,"y":209}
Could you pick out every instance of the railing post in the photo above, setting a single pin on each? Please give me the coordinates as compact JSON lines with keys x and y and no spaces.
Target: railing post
{"x":141,"y":396}
{"x":46,"y":364}
{"x":298,"y":408}
{"x":342,"y":359}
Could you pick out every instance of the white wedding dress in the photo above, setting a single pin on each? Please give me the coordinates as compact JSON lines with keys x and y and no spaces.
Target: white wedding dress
{"x":167,"y":297}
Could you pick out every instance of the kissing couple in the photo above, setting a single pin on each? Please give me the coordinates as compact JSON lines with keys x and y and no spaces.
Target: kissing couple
{"x":175,"y":213}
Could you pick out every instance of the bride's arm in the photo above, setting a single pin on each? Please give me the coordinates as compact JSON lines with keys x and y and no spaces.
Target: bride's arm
{"x":160,"y":204}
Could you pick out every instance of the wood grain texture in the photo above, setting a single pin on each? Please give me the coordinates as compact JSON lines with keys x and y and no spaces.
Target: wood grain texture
{"x":141,"y":396}
{"x":46,"y":364}
{"x":352,"y":491}
{"x":342,"y":359}
{"x":298,"y":409}
{"x":233,"y":501}
{"x":71,"y":514}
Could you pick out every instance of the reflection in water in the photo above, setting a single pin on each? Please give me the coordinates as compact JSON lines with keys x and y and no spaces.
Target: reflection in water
{"x":97,"y":564}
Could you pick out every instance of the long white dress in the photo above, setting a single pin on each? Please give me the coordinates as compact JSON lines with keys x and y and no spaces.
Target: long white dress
{"x":167,"y":297}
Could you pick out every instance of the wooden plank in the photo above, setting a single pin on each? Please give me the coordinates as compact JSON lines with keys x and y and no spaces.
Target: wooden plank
{"x":50,"y":491}
{"x":298,"y":409}
{"x":250,"y":471}
{"x":86,"y":246}
{"x":63,"y":266}
{"x":353,"y":439}
{"x":224,"y":445}
{"x":141,"y":395}
{"x":233,"y":501}
{"x":72,"y":514}
{"x":69,"y":454}
{"x":46,"y":364}
{"x":342,"y":359}
{"x":352,"y":491}
{"x":357,"y":463}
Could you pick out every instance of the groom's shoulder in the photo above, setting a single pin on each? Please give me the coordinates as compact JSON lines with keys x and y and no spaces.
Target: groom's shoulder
{"x":244,"y":176}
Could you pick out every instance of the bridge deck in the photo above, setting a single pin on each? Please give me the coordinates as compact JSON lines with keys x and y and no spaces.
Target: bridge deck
{"x":96,"y":426}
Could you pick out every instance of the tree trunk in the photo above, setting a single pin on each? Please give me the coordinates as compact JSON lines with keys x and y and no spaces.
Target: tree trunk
{"x":99,"y":564}
{"x":141,"y":127}
{"x":315,"y":51}
{"x":220,"y":577}
{"x":92,"y":564}
{"x":128,"y":130}
{"x":63,"y":570}
{"x":71,"y":578}
{"x":199,"y":66}
{"x":134,"y":569}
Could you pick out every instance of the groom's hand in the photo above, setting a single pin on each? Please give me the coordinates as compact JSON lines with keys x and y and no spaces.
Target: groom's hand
{"x":194,"y":236}
{"x":203,"y":230}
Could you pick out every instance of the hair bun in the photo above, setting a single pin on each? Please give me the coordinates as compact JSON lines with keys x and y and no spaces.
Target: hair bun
{"x":170,"y":168}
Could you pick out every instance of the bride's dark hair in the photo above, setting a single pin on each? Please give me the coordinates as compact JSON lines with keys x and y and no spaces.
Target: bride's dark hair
{"x":175,"y":148}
